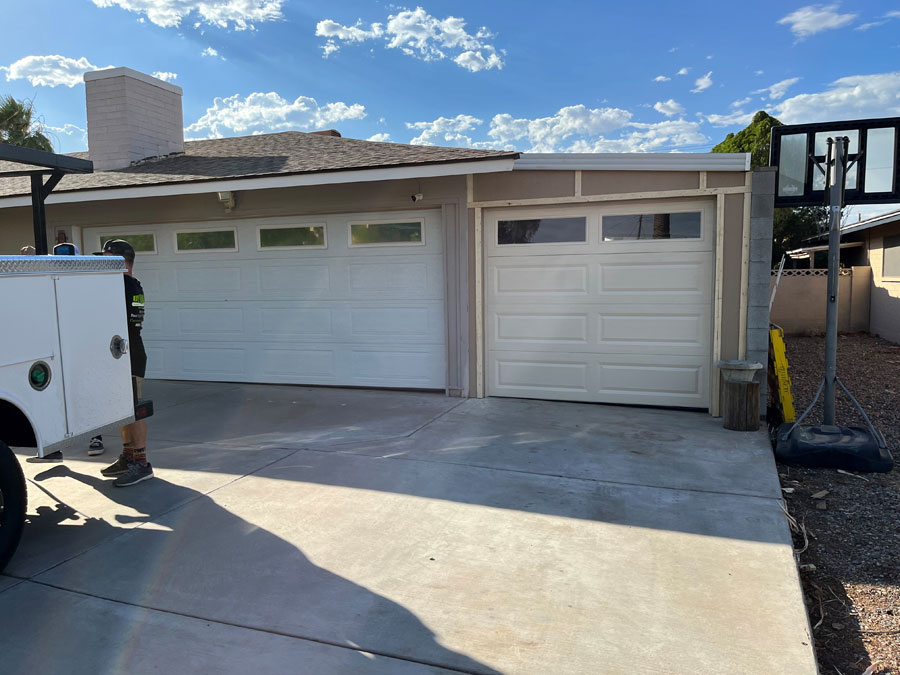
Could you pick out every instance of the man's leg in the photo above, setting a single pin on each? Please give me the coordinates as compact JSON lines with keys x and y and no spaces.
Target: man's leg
{"x":134,"y":437}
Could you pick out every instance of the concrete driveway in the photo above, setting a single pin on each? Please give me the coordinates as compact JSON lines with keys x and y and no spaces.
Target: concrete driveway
{"x":307,"y":530}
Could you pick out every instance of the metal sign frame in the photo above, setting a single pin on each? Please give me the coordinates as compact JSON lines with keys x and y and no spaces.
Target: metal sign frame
{"x":857,"y":195}
{"x":52,"y":165}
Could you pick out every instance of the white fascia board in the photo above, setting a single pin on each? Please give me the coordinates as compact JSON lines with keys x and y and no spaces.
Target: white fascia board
{"x":268,"y":183}
{"x":634,"y":161}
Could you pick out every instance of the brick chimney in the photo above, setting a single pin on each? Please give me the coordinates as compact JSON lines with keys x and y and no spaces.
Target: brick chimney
{"x":131,"y":116}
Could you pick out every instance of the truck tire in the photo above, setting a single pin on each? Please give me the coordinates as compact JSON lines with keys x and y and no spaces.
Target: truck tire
{"x":12,"y":504}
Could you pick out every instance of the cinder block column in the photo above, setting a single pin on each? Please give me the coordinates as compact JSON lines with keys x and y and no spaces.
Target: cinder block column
{"x":762,"y":212}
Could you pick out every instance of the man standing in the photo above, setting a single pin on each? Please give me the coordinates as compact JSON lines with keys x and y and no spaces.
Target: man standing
{"x":132,"y":466}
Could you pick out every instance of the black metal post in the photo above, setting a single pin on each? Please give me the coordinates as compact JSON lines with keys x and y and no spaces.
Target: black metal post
{"x":38,"y":215}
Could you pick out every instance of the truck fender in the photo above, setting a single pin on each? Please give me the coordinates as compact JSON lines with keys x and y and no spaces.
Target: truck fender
{"x":15,"y":402}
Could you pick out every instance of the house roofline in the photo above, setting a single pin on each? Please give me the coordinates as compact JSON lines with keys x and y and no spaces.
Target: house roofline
{"x":875,"y":221}
{"x":481,"y":165}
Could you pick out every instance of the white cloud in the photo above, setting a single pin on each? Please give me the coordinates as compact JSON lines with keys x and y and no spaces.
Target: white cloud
{"x":165,"y":76}
{"x":268,"y":112}
{"x":209,"y":51}
{"x":670,"y":135}
{"x":546,"y":134}
{"x":661,"y":78}
{"x":451,"y":130}
{"x":668,"y":108}
{"x":854,"y":97}
{"x":50,"y":71}
{"x":758,"y":72}
{"x":571,"y":129}
{"x":737,"y":118}
{"x":335,"y":31}
{"x":871,"y":24}
{"x":420,"y":35}
{"x":814,"y":19}
{"x":683,"y":71}
{"x":741,"y":102}
{"x":68,"y":130}
{"x":894,"y":14}
{"x":380,"y":138}
{"x":237,"y":14}
{"x":702,"y":83}
{"x":779,"y":89}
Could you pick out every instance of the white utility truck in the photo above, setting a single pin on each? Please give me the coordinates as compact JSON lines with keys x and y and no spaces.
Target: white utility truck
{"x":64,"y":370}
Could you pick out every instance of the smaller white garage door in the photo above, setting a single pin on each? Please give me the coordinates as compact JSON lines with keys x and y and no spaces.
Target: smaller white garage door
{"x":350,"y":299}
{"x":605,"y":303}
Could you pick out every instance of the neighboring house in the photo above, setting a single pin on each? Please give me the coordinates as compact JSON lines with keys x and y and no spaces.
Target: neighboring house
{"x":880,"y":250}
{"x":316,"y":259}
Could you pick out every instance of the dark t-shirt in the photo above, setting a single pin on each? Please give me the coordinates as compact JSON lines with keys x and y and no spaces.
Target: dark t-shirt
{"x":134,"y":307}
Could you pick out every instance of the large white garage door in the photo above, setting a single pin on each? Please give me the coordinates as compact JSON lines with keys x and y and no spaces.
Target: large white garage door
{"x":351,"y":299}
{"x":606,"y":303}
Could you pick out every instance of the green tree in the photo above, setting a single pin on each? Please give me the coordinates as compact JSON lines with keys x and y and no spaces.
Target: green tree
{"x":792,"y":226}
{"x":19,"y":126}
{"x":754,"y":139}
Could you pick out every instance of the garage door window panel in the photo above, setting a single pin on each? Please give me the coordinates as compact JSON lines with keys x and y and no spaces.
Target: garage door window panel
{"x":542,"y":231}
{"x":291,"y":237}
{"x":203,"y":241}
{"x":141,"y":242}
{"x":387,"y":233}
{"x":652,"y":226}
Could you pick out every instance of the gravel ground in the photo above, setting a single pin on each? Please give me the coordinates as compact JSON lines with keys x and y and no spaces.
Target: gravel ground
{"x":851,"y":566}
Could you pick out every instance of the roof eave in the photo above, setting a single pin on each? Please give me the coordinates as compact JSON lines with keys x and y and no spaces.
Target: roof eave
{"x":488,"y":164}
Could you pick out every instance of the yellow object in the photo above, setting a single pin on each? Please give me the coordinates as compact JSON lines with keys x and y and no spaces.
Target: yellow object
{"x":785,"y":398}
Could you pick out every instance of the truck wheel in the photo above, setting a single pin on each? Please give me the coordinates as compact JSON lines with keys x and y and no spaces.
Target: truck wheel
{"x":12,"y":504}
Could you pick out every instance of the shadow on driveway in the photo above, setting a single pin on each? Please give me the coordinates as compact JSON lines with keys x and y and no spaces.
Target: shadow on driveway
{"x":285,"y":593}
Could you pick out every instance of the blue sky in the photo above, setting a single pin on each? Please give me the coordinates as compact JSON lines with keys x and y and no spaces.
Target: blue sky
{"x":546,"y":77}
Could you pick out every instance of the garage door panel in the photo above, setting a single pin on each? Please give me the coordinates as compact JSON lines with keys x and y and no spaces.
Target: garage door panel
{"x":633,"y":279}
{"x":206,"y":279}
{"x":295,"y":322}
{"x":210,"y":320}
{"x":644,"y":379}
{"x":602,"y":328}
{"x":521,"y":278}
{"x":627,"y":278}
{"x":297,"y":279}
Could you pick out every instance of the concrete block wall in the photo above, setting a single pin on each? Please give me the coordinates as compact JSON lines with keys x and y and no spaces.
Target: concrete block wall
{"x":131,"y":116}
{"x":762,"y":211}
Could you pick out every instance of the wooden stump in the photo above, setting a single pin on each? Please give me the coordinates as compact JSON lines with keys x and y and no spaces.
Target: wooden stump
{"x":741,"y":406}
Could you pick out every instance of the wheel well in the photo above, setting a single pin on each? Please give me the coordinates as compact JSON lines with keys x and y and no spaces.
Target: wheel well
{"x":15,"y":429}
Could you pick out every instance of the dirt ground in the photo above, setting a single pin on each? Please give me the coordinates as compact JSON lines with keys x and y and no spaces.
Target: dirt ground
{"x":849,"y":525}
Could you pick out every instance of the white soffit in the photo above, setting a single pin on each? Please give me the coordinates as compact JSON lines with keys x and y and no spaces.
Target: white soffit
{"x":270,"y":182}
{"x":634,"y":161}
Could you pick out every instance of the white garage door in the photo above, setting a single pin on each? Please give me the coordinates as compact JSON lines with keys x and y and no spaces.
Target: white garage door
{"x":606,"y":303}
{"x":351,"y":299}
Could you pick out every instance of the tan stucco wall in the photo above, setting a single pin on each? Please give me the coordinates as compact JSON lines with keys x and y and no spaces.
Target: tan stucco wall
{"x":720,"y":179}
{"x":732,"y":249}
{"x":523,"y":185}
{"x":625,"y":182}
{"x":801,"y":304}
{"x":884,"y":316}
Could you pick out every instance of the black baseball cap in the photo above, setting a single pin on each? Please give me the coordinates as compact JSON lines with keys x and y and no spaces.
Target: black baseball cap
{"x":118,"y":247}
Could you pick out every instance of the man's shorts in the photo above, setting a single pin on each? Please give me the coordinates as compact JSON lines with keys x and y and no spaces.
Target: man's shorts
{"x":137,"y":388}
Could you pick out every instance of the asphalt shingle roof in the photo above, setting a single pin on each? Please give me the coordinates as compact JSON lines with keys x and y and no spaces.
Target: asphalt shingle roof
{"x":286,"y":153}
